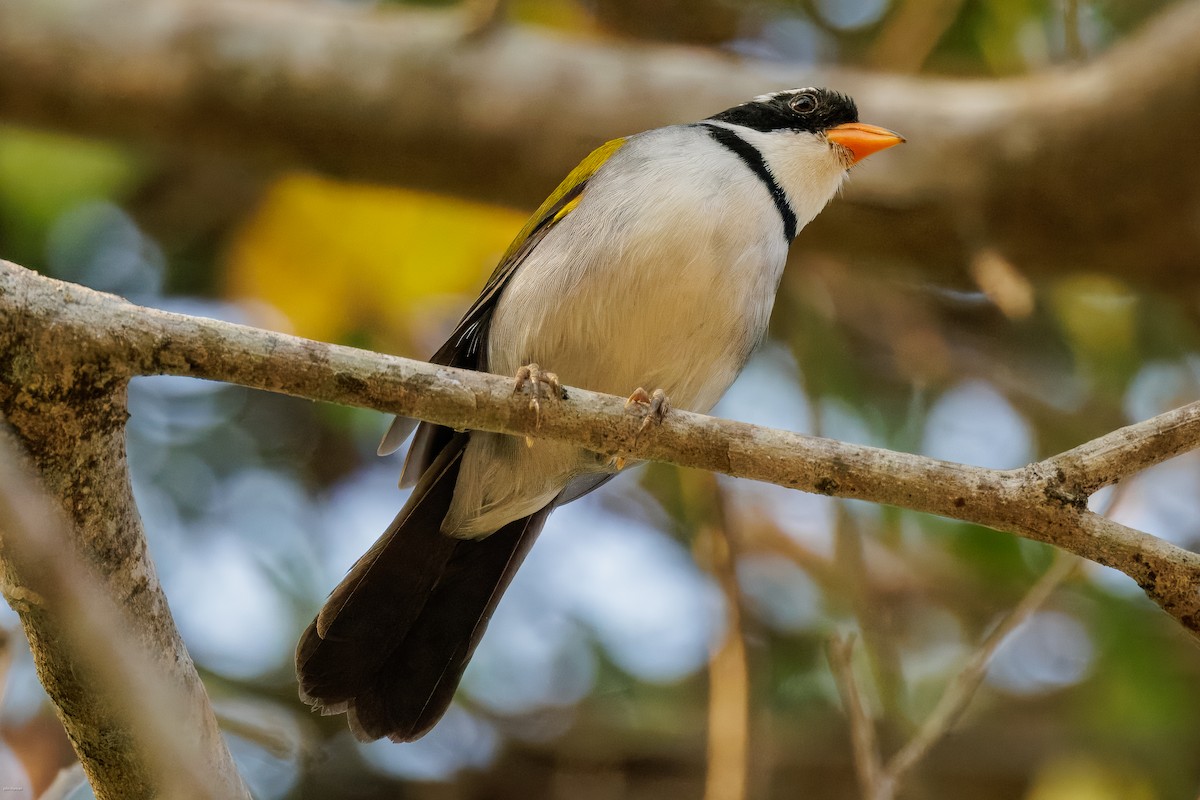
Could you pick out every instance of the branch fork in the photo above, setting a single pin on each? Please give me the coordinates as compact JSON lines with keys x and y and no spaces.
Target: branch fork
{"x":67,"y":353}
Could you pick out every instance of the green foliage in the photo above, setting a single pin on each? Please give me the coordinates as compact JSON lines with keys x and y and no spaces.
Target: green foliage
{"x":43,"y":175}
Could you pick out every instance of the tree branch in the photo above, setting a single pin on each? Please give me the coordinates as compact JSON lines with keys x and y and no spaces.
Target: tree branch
{"x":139,"y":730}
{"x":421,"y":100}
{"x":728,"y":758}
{"x":68,"y":412}
{"x":867,"y":762}
{"x":962,"y":687}
{"x":81,"y":335}
{"x":1129,"y":450}
{"x":880,"y":781}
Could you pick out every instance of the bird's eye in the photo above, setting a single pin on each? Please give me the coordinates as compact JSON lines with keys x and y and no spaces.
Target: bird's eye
{"x":804,"y":103}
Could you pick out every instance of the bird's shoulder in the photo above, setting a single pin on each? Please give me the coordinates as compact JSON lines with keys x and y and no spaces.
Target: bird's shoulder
{"x":564,"y":199}
{"x":464,"y":347}
{"x":467,"y":345}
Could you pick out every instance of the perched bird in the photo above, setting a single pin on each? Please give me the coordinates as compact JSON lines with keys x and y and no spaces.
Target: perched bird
{"x":655,"y":263}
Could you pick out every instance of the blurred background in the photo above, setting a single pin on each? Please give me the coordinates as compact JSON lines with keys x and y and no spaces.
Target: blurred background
{"x":671,"y":611}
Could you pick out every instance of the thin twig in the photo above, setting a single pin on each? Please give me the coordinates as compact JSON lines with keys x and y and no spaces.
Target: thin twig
{"x":1071,"y":34}
{"x":867,"y":762}
{"x":911,"y":34}
{"x":961,"y":689}
{"x":879,"y":781}
{"x":856,"y":584}
{"x":1126,"y":451}
{"x":728,"y":669}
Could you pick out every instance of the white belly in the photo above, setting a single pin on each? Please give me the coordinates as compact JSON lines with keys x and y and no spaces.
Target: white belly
{"x":645,"y":285}
{"x":642,"y":285}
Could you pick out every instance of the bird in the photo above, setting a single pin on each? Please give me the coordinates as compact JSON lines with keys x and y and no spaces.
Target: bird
{"x":654,"y":263}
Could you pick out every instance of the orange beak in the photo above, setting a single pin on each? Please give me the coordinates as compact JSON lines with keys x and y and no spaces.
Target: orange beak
{"x":862,"y":139}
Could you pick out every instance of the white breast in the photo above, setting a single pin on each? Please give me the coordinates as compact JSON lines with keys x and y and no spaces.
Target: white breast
{"x":662,"y":277}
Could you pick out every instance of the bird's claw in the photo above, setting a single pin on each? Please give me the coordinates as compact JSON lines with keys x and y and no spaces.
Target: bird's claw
{"x":537,"y":383}
{"x":652,"y":407}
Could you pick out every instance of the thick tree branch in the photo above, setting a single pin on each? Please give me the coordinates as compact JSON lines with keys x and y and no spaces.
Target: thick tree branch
{"x":138,"y":730}
{"x":82,"y":337}
{"x":417,"y":99}
{"x":63,"y":393}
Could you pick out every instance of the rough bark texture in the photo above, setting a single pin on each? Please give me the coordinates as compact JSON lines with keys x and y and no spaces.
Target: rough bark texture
{"x":1045,"y":501}
{"x":62,"y":393}
{"x":413,"y":98}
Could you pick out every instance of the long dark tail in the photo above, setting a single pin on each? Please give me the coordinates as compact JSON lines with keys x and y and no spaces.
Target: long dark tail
{"x":392,"y":641}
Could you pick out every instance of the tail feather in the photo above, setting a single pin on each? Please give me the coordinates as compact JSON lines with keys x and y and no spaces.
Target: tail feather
{"x":425,"y":671}
{"x":371,"y":610}
{"x":392,"y":642}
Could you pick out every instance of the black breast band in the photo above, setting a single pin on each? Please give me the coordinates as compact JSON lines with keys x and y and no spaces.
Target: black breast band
{"x":754,"y":160}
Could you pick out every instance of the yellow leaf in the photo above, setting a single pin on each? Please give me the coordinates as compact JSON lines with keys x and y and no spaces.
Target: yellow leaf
{"x":348,"y":262}
{"x":564,"y":15}
{"x":1080,"y":778}
{"x":1098,"y":314}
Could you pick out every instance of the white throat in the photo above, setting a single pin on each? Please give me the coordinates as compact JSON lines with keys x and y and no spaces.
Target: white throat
{"x":806,"y":166}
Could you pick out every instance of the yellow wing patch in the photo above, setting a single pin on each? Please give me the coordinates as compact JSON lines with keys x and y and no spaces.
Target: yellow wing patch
{"x":463,"y":346}
{"x":570,"y":185}
{"x":569,"y":207}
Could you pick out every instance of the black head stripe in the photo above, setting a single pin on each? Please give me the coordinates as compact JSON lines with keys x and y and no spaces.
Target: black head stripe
{"x":778,"y":111}
{"x":754,"y":160}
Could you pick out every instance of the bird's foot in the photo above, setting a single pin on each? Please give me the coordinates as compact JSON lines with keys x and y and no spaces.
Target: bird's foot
{"x":651,"y":407}
{"x":539,"y":385}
